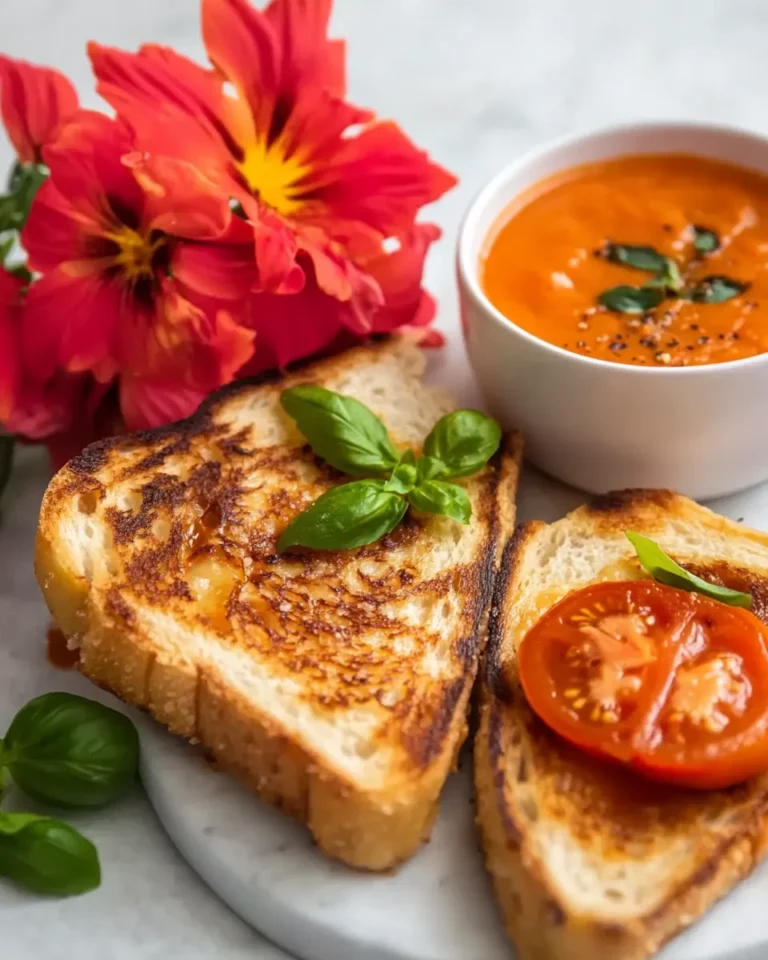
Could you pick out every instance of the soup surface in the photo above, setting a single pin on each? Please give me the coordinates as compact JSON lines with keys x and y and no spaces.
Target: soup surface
{"x":658,"y":260}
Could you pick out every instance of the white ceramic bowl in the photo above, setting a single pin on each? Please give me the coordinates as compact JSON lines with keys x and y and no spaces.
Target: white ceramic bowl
{"x":603,"y":426}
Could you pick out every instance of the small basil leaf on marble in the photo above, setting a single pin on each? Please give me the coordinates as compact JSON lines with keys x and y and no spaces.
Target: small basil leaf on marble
{"x":626,"y":299}
{"x":664,"y":569}
{"x":637,"y":257}
{"x":446,"y":499}
{"x":714,"y":289}
{"x":47,"y":856}
{"x":350,"y":515}
{"x":72,"y":752}
{"x":705,"y":240}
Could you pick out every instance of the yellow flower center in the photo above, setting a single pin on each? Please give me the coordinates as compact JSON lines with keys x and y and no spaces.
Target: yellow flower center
{"x":274,"y":176}
{"x":136,"y":252}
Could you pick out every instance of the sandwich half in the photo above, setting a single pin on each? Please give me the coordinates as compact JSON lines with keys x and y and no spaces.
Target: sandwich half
{"x":590,"y":861}
{"x":334,"y":684}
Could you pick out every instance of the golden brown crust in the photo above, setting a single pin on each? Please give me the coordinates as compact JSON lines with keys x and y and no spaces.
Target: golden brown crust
{"x":525,"y":776}
{"x":192,"y":507}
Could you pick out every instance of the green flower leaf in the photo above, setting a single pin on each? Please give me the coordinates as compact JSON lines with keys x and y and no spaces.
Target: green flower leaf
{"x":626,"y":299}
{"x":664,"y":569}
{"x":463,"y":442}
{"x":404,"y":475}
{"x":637,"y":257}
{"x":71,"y":752}
{"x":47,"y":856}
{"x":341,"y":430}
{"x":705,"y":240}
{"x":351,"y":515}
{"x":447,"y":499}
{"x":714,"y":289}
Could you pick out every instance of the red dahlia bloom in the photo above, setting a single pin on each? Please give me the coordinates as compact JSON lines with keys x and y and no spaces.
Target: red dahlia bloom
{"x":34,"y":101}
{"x":102,"y":232}
{"x":66,"y":410}
{"x":316,"y":178}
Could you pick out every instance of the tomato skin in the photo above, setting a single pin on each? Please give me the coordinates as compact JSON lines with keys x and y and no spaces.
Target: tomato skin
{"x":673,"y":684}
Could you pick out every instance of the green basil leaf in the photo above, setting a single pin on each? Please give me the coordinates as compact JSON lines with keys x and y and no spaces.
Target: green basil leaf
{"x":347,"y":516}
{"x":463,"y":441}
{"x":640,"y":258}
{"x":714,"y":289}
{"x":47,"y":856}
{"x":404,"y":475}
{"x":664,"y":569}
{"x":447,"y":499}
{"x":626,"y":299}
{"x":341,"y":430}
{"x":428,"y":468}
{"x":71,"y":752}
{"x":668,"y":278}
{"x":705,"y":240}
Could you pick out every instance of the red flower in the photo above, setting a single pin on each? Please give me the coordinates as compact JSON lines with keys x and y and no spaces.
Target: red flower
{"x":102,"y":232}
{"x":314,"y":175}
{"x":10,"y":373}
{"x":66,"y":411}
{"x":34,"y":101}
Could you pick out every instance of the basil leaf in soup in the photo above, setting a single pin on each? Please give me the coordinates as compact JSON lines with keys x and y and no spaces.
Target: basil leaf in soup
{"x":626,"y":299}
{"x":714,"y":289}
{"x":705,"y":240}
{"x":637,"y":257}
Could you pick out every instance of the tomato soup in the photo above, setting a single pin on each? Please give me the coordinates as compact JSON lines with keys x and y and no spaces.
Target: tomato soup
{"x":658,"y":260}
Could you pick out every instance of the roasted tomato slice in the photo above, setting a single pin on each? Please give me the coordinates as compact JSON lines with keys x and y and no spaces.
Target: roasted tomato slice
{"x":673,"y":683}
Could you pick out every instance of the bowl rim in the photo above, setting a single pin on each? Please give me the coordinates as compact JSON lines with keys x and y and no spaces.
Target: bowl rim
{"x":468,"y":270}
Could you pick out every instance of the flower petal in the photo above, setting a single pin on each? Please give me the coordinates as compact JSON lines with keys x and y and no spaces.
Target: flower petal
{"x":378,"y":178}
{"x":87,"y":170}
{"x":52,"y":235}
{"x":337,"y":276}
{"x":398,"y":273}
{"x":177,"y":107}
{"x":147,"y":403}
{"x":70,"y":323}
{"x":10,"y":372}
{"x":34,"y":102}
{"x":180,"y":200}
{"x":224,"y":270}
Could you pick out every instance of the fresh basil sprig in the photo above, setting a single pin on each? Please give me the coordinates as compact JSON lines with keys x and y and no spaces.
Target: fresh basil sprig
{"x":664,"y":569}
{"x":668,"y":280}
{"x":628,"y":299}
{"x":714,"y":289}
{"x":637,"y":257}
{"x":71,"y":752}
{"x":47,"y":856}
{"x":351,"y":438}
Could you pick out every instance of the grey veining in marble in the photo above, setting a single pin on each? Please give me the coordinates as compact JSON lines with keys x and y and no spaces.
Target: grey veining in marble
{"x":474,"y":81}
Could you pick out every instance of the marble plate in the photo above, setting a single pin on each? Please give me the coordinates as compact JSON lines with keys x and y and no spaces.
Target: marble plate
{"x":439,"y":906}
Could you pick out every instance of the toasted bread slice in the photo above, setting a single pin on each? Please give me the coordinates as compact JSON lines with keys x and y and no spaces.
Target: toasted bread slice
{"x":589,"y":861}
{"x":333,"y":684}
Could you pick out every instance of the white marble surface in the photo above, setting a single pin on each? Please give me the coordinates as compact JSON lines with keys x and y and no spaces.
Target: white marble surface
{"x":475,"y":81}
